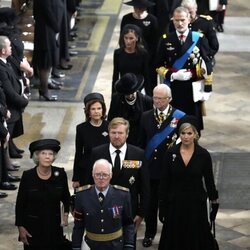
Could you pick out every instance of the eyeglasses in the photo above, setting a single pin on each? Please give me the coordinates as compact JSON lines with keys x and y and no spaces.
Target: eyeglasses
{"x":160,"y":98}
{"x":101,"y":175}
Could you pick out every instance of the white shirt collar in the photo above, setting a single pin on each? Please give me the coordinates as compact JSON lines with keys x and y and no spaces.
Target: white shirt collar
{"x":123,"y":149}
{"x":185,"y":33}
{"x":104,"y":191}
{"x":165,"y":111}
{"x":3,"y":59}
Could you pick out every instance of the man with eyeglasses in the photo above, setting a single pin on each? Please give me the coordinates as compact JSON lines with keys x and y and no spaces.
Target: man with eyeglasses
{"x":130,"y":170}
{"x":103,"y":211}
{"x":157,"y":134}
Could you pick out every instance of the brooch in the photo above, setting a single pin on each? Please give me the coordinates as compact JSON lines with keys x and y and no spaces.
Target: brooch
{"x":131,"y":180}
{"x":105,"y":133}
{"x":174,"y":156}
{"x":56,"y":173}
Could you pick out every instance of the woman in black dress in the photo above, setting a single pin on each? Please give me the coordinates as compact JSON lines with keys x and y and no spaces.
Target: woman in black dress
{"x":131,"y":57}
{"x":182,"y":196}
{"x":89,"y":134}
{"x":42,"y":189}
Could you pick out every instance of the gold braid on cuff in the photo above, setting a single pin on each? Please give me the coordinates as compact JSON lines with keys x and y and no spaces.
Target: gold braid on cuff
{"x":209,"y":79}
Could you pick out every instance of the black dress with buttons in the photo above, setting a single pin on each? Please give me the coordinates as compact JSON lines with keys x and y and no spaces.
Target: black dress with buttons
{"x":38,"y":207}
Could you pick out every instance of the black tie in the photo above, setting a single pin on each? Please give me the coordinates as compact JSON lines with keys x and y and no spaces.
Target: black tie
{"x":101,"y":198}
{"x":117,"y":165}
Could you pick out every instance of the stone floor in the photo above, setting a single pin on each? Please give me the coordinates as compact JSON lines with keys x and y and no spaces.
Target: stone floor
{"x":226,"y":124}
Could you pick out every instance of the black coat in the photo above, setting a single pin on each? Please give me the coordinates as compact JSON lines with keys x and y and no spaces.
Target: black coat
{"x":148,"y":128}
{"x":96,"y":218}
{"x":135,"y":179}
{"x":3,"y":112}
{"x":182,"y":198}
{"x":38,"y":206}
{"x":87,"y":137}
{"x":12,"y":87}
{"x":48,"y":16}
{"x":120,"y":108}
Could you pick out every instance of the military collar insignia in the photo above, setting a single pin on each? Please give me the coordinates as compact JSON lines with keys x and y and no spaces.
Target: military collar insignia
{"x":170,"y":48}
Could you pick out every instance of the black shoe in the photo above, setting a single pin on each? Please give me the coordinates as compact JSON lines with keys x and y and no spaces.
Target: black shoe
{"x":56,"y":82}
{"x":7,"y":186}
{"x":13,"y":168}
{"x":46,"y":97}
{"x":147,"y":242}
{"x":66,"y":67}
{"x":73,"y":53}
{"x":3,"y":195}
{"x":15,"y":155}
{"x":12,"y":178}
{"x":53,"y":86}
{"x":220,"y":28}
{"x":20,"y":151}
{"x":58,"y":74}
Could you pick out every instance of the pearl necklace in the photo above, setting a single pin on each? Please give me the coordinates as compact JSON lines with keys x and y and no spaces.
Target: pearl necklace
{"x":43,"y":174}
{"x":96,"y":125}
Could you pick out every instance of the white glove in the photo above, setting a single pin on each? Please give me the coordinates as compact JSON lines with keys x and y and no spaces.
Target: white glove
{"x":205,"y":96}
{"x":181,"y":75}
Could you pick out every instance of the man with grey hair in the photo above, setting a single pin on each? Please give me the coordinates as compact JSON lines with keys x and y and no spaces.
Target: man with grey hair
{"x":104,"y":212}
{"x":183,"y":59}
{"x":203,"y":24}
{"x":157,"y":134}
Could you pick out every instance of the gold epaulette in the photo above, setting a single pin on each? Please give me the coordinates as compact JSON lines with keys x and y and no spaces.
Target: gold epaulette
{"x":164,"y":36}
{"x":207,"y":17}
{"x":121,"y":188}
{"x":86,"y":187}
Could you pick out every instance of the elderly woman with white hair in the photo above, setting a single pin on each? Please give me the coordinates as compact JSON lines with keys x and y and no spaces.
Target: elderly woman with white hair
{"x":42,"y":189}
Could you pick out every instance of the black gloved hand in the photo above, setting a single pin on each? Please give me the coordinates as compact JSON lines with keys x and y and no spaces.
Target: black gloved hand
{"x":214,"y":210}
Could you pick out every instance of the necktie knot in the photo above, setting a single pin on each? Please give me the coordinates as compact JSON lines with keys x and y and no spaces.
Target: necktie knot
{"x":182,"y":38}
{"x":118,"y":151}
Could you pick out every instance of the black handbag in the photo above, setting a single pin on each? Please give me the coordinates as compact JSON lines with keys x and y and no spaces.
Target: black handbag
{"x":216,"y":245}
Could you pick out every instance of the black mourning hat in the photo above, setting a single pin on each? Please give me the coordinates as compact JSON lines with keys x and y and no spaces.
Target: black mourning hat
{"x":93,"y":96}
{"x":129,"y":83}
{"x":140,"y":3}
{"x":42,"y":144}
{"x":9,"y":16}
{"x":189,"y":119}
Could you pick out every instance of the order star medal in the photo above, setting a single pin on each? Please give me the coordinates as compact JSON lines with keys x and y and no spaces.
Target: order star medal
{"x":100,"y":199}
{"x":131,"y":180}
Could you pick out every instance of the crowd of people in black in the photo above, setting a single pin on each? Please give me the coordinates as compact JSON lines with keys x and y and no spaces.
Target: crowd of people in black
{"x":144,"y":148}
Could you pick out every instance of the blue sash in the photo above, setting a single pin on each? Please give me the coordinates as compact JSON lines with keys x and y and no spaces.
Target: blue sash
{"x":179,"y":63}
{"x":158,"y":138}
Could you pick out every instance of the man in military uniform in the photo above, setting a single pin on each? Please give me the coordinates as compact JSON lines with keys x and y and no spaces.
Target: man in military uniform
{"x":129,"y":166}
{"x":183,"y":59}
{"x":203,"y":24}
{"x":157,"y":134}
{"x":104,"y":212}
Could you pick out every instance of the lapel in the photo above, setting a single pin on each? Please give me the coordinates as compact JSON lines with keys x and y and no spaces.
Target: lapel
{"x":187,"y":44}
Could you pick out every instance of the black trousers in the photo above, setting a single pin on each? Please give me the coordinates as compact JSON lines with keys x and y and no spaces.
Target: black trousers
{"x":152,"y":217}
